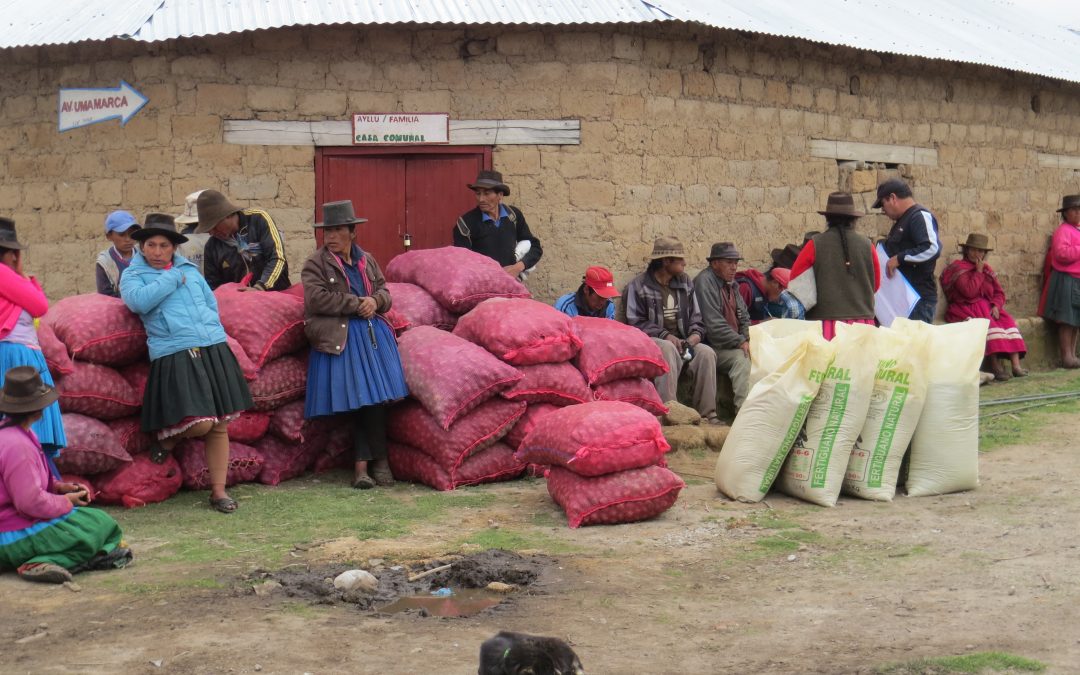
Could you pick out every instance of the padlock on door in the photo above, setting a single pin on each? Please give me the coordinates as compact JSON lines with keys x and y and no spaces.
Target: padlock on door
{"x":407,"y":240}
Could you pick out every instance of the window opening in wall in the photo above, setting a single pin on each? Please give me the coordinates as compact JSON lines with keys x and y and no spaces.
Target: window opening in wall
{"x":1036,"y":104}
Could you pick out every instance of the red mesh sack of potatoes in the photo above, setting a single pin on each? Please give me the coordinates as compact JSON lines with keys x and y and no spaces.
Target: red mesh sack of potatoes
{"x":490,"y":465}
{"x":92,"y":447}
{"x":613,"y":351}
{"x":288,"y":423}
{"x":137,"y":375}
{"x":247,"y":366}
{"x":99,"y":329}
{"x":279,"y":382}
{"x":622,"y":497}
{"x":526,"y":423}
{"x":397,"y":321}
{"x":130,"y":435}
{"x":245,"y":463}
{"x":97,"y":391}
{"x":267,"y":325}
{"x":558,"y":383}
{"x":458,"y":278}
{"x":521,"y":332}
{"x":336,"y":452}
{"x":249,"y":427}
{"x":410,"y":424}
{"x":56,"y":354}
{"x":418,"y":308}
{"x":140,"y":483}
{"x":636,"y":390}
{"x":448,"y":375}
{"x":295,"y":291}
{"x":284,"y":460}
{"x":595,"y":438}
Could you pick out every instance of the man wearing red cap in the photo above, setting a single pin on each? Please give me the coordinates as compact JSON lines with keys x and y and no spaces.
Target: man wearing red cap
{"x":593,"y":297}
{"x":779,"y":304}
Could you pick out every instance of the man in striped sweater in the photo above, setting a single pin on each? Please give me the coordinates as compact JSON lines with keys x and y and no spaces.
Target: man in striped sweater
{"x":244,"y":246}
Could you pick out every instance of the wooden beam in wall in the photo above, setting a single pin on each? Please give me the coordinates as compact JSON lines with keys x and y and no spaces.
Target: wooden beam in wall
{"x":462,"y":132}
{"x":872,"y":152}
{"x":1049,"y":161}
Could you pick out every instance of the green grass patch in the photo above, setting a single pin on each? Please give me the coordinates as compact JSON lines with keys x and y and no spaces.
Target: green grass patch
{"x":787,"y":541}
{"x":1024,"y":426}
{"x":272,"y":520}
{"x":516,"y":540}
{"x":980,"y":662}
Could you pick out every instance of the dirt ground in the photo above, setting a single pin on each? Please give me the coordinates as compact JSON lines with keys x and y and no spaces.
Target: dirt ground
{"x":712,"y":586}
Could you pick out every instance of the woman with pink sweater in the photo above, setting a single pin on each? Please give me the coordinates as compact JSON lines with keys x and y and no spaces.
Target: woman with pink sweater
{"x":1062,"y":301}
{"x":21,"y":302}
{"x":44,"y":533}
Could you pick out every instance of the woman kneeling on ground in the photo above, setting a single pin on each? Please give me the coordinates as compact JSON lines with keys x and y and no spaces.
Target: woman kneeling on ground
{"x":973,"y":292}
{"x":195,"y":386}
{"x":354,"y":365}
{"x":44,"y":535}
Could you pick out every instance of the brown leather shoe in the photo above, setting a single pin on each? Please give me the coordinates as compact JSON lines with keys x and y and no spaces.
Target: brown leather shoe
{"x":380,"y":471}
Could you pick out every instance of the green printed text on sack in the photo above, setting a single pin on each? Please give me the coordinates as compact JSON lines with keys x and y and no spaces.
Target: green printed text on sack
{"x":828,"y":435}
{"x":885,"y":436}
{"x":785,"y":445}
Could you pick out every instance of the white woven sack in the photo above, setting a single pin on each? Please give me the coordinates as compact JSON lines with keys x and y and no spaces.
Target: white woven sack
{"x":895,"y":406}
{"x":945,"y":448}
{"x":773,"y":342}
{"x":815,"y":467}
{"x":770,"y":420}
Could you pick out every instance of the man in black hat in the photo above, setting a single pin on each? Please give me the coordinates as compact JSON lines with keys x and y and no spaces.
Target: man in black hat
{"x":497,"y":230}
{"x":913,"y":245}
{"x":727,"y":321}
{"x":245,"y":245}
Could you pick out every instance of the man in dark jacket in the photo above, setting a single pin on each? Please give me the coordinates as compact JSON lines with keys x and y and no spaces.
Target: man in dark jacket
{"x":726,"y":319}
{"x":498,"y":230}
{"x":661,"y":302}
{"x":244,"y":246}
{"x":913,"y":245}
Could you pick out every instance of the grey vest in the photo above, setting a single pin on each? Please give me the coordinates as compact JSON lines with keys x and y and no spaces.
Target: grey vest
{"x":843,"y":295}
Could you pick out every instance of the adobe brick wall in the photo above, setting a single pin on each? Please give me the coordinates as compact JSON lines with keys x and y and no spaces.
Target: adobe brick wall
{"x":699,"y":133}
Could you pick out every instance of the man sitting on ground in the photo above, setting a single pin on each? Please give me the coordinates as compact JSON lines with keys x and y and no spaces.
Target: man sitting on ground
{"x":593,"y":297}
{"x":661,"y":302}
{"x":779,"y":303}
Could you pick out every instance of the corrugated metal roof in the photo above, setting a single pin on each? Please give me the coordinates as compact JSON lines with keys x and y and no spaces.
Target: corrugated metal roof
{"x":986,"y":32}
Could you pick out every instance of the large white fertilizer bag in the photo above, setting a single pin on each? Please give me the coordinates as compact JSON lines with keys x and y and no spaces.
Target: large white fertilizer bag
{"x":945,"y":448}
{"x":773,"y":342}
{"x":770,"y":420}
{"x":815,"y":467}
{"x":895,"y":406}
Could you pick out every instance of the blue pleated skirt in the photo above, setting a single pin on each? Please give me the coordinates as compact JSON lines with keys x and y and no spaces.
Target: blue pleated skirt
{"x":363,"y":374}
{"x":50,"y":428}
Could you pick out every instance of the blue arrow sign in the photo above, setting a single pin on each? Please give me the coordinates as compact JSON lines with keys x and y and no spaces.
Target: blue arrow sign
{"x":82,"y":107}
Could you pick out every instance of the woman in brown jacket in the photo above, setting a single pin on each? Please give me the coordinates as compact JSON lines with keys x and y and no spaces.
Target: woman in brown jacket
{"x":354,"y":366}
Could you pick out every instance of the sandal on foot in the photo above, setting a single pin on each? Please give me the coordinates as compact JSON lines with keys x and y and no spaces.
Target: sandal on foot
{"x":224,"y":505}
{"x":46,"y":573}
{"x":380,"y":471}
{"x":115,"y":559}
{"x":158,"y":453}
{"x":1019,"y":372}
{"x":364,"y":482}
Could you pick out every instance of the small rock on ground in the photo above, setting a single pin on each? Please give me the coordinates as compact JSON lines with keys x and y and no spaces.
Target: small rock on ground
{"x":680,"y":414}
{"x":715,"y":436}
{"x":685,"y":437}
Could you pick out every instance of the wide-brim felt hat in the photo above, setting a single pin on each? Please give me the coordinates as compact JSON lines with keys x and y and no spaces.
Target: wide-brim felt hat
{"x":213,"y":207}
{"x":724,"y":250}
{"x":841,"y":204}
{"x":25,"y":392}
{"x":8,"y":237}
{"x":667,"y":247}
{"x":156,"y":224}
{"x":1069,"y":202}
{"x":492,"y":180}
{"x":979,"y":241}
{"x":336,"y":214}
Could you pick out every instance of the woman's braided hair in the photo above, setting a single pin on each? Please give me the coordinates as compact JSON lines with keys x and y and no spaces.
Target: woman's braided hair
{"x":842,"y":224}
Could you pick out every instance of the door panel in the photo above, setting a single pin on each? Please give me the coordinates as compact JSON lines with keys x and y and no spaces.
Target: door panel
{"x":417,"y":190}
{"x":436,"y":195}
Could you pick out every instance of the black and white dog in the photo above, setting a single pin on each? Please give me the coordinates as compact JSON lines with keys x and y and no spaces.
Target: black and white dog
{"x":523,"y":654}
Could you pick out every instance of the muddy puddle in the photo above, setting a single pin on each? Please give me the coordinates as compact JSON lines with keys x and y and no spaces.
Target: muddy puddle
{"x":467,"y":578}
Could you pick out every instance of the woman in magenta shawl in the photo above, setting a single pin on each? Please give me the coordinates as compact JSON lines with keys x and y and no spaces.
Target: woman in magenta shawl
{"x":973,"y":292}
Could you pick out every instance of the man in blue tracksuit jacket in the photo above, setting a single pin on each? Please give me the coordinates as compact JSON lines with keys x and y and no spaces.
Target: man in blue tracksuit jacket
{"x":913,"y":245}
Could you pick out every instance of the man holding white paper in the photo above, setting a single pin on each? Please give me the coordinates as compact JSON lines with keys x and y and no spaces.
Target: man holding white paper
{"x":913,"y":245}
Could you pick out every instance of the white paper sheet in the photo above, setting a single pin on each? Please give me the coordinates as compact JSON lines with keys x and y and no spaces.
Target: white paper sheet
{"x":896,"y":297}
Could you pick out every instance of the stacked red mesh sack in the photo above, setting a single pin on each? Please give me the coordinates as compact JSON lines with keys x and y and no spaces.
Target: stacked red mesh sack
{"x":451,"y":431}
{"x":96,"y":349}
{"x":606,"y":462}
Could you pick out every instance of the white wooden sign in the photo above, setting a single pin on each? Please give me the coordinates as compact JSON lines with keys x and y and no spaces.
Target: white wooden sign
{"x":81,"y":107}
{"x":401,"y":128}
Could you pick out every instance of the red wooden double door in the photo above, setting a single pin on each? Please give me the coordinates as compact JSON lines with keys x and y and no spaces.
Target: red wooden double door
{"x":415,"y":191}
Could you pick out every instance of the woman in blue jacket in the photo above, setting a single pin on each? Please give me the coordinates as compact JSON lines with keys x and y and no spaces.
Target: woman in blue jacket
{"x":195,"y":386}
